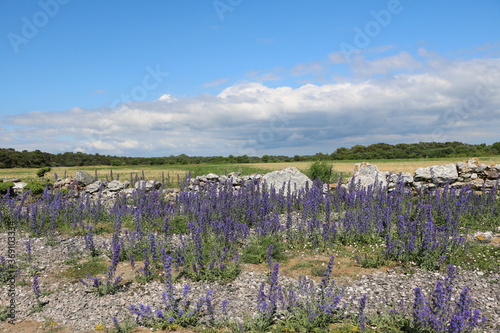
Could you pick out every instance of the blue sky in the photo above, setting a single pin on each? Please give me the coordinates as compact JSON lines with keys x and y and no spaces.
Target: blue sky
{"x":220,"y":77}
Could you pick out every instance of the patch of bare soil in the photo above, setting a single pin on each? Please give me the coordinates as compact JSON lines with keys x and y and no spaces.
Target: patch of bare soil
{"x":345,"y":269}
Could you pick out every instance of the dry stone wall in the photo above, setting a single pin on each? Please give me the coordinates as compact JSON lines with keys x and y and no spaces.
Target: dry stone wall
{"x":472,"y":173}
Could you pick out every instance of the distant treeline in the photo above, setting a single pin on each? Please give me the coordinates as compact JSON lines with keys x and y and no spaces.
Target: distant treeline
{"x":10,"y":158}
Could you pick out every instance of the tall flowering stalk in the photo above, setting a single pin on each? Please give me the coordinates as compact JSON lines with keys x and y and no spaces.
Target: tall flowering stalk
{"x":438,"y":315}
{"x":89,"y":241}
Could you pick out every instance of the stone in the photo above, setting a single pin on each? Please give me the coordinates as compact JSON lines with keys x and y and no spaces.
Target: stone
{"x":281,"y":178}
{"x":256,"y":176}
{"x":483,"y":236}
{"x":423,"y":174}
{"x":459,"y":184}
{"x":61,"y":182}
{"x":128,"y":191}
{"x":481,"y":168}
{"x":84,"y":178}
{"x":477,"y":184}
{"x":147,"y":185}
{"x":492,"y":174}
{"x":490,"y":183}
{"x":212,"y":176}
{"x":472,"y":162}
{"x":395,"y":178}
{"x":18,"y":186}
{"x":117,"y":185}
{"x":14,"y":180}
{"x":366,"y":174}
{"x":443,"y":174}
{"x":94,"y":187}
{"x":463,"y":168}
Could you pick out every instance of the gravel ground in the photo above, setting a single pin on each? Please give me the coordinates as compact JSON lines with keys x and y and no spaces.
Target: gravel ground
{"x":72,"y":305}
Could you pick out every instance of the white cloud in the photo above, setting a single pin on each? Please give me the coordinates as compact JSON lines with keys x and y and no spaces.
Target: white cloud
{"x":216,"y":82}
{"x":412,"y":101}
{"x":400,"y":62}
{"x":167,"y":98}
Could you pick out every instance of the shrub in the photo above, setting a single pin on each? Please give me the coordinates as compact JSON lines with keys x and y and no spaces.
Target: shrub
{"x":36,"y":188}
{"x":179,"y":224}
{"x":5,"y":187}
{"x":322,"y":170}
{"x":258,"y":250}
{"x":42,"y":171}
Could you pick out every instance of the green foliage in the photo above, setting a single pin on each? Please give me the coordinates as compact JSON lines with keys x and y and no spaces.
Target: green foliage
{"x":204,"y":268}
{"x":368,"y":261}
{"x":10,"y":158}
{"x":41,"y":172}
{"x":220,"y":274}
{"x":4,"y":313}
{"x":322,"y":170}
{"x":82,"y":270}
{"x":124,"y":326}
{"x":36,"y":188}
{"x":317,"y":271}
{"x":485,"y":221}
{"x":106,"y":288}
{"x":179,"y":224}
{"x":256,"y":251}
{"x":414,"y":150}
{"x":481,"y":257}
{"x":6,"y":187}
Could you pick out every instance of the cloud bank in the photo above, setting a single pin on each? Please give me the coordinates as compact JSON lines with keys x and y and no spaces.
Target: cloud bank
{"x":398,"y":98}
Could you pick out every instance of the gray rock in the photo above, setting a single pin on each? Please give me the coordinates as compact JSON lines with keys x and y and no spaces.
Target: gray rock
{"x":492,"y":173}
{"x":477,"y":184}
{"x":18,"y":186}
{"x":94,"y":187}
{"x":117,"y":185}
{"x":14,"y":180}
{"x":281,"y":178}
{"x":212,"y":176}
{"x":236,"y":181}
{"x":443,"y":174}
{"x":396,"y":178}
{"x":147,"y":185}
{"x":490,"y":183}
{"x":483,"y":236}
{"x":459,"y":184}
{"x":463,"y":168}
{"x":366,"y":174}
{"x":423,"y":174}
{"x":481,"y":168}
{"x":84,"y":178}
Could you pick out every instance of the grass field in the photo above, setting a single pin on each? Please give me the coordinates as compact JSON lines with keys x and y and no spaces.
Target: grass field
{"x":173,"y":172}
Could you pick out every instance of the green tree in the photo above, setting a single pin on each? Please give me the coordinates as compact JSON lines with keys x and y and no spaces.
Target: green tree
{"x":41,"y":172}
